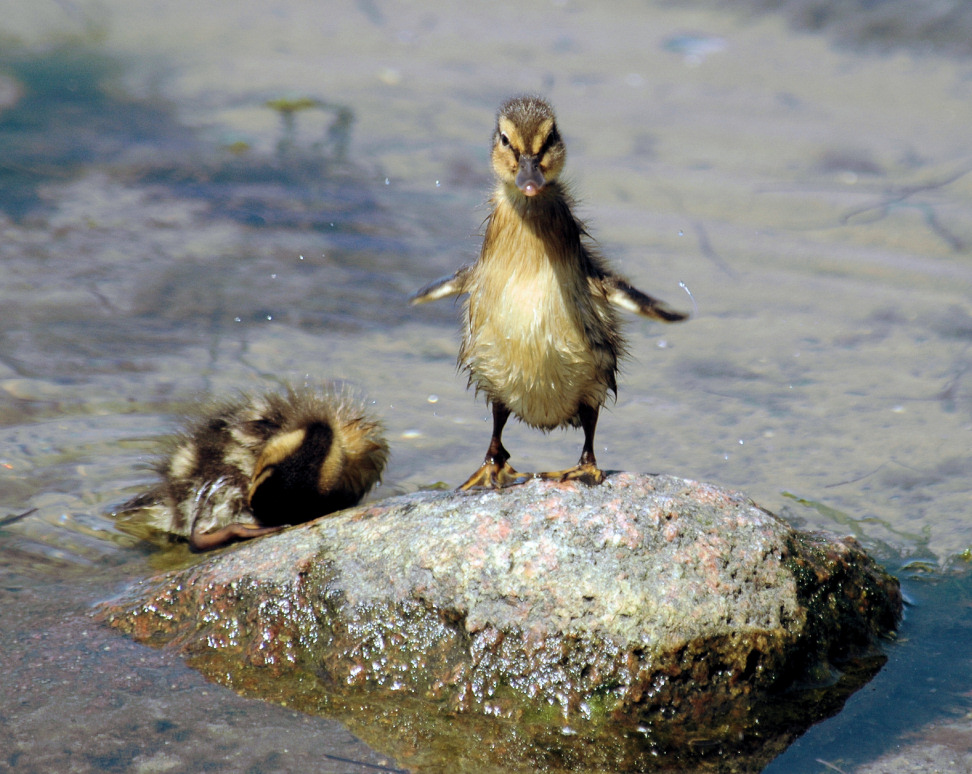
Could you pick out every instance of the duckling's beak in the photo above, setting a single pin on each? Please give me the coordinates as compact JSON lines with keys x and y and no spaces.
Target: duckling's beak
{"x":529,"y":178}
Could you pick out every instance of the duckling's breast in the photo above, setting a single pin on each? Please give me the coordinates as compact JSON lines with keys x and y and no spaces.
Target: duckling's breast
{"x":535,"y":335}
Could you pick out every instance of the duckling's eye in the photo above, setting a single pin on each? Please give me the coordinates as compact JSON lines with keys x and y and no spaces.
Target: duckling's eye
{"x":504,"y":140}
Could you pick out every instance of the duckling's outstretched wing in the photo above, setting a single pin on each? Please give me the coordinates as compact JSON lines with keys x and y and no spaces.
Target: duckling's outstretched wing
{"x":453,"y":285}
{"x":624,"y":295}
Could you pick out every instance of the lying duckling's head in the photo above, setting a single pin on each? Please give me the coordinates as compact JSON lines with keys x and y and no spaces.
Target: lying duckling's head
{"x":527,"y":149}
{"x":326,"y":455}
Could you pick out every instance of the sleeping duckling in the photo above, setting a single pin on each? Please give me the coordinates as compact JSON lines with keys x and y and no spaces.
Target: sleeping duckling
{"x":541,"y":335}
{"x":252,"y":466}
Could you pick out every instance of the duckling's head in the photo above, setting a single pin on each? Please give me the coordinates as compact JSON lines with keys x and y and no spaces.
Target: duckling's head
{"x":325,"y":457}
{"x":287,"y":485}
{"x":528,"y":152}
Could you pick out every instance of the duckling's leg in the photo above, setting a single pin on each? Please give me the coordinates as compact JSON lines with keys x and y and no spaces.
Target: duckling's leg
{"x":496,"y":472}
{"x":586,"y":470}
{"x":206,"y":541}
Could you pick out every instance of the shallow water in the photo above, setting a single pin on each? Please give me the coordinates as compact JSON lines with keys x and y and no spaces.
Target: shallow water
{"x":165,"y":235}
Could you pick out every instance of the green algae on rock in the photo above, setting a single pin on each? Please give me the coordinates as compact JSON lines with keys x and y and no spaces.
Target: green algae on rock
{"x":649,"y":613}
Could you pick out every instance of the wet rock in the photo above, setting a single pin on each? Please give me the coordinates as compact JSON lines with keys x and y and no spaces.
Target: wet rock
{"x":672,"y":611}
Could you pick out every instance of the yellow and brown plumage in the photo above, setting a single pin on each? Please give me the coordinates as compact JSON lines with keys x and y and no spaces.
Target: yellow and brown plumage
{"x":251,"y":466}
{"x":541,"y":334}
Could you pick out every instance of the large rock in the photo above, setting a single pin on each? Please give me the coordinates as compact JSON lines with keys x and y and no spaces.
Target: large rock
{"x":646,"y":615}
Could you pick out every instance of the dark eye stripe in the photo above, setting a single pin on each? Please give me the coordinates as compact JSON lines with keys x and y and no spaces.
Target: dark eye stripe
{"x":505,"y":141}
{"x":552,"y":139}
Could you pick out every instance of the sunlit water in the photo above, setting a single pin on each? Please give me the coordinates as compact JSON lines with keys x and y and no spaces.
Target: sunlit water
{"x":166,"y":235}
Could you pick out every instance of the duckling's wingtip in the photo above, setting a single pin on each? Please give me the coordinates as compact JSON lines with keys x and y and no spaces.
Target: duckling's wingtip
{"x":673,"y":316}
{"x":625,"y":296}
{"x":451,"y":285}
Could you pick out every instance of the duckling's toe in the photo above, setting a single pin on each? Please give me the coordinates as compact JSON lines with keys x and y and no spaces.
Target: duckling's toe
{"x":492,"y":475}
{"x":206,"y":541}
{"x":586,"y":473}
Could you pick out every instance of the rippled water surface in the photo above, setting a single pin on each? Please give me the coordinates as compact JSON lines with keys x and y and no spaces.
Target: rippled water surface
{"x":168,"y":230}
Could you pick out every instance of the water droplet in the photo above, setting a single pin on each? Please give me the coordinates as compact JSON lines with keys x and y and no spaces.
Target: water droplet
{"x":237,"y":319}
{"x":387,"y":181}
{"x":273,"y":276}
{"x":437,"y":183}
{"x":269,"y":316}
{"x":433,"y":398}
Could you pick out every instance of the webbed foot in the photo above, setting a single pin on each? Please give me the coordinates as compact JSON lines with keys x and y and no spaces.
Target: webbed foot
{"x":206,"y":541}
{"x":493,"y":475}
{"x":586,"y":473}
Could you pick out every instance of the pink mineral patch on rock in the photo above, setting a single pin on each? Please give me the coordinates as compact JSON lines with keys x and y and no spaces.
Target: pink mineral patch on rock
{"x":491,"y":531}
{"x":553,"y":510}
{"x":620,"y":527}
{"x":706,"y":494}
{"x":670,"y":531}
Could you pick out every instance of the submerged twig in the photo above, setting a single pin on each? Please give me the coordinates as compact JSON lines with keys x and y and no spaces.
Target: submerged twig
{"x":871,"y":473}
{"x":705,"y":245}
{"x":13,"y":517}
{"x":897,"y":195}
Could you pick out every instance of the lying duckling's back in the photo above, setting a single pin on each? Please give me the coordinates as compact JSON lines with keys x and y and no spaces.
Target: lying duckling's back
{"x":206,"y":473}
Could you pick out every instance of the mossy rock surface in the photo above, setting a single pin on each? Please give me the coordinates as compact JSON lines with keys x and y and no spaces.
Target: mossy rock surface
{"x":589,"y":628}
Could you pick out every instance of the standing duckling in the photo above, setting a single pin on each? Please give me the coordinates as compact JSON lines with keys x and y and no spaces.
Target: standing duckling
{"x":541,"y":335}
{"x":252,"y":466}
